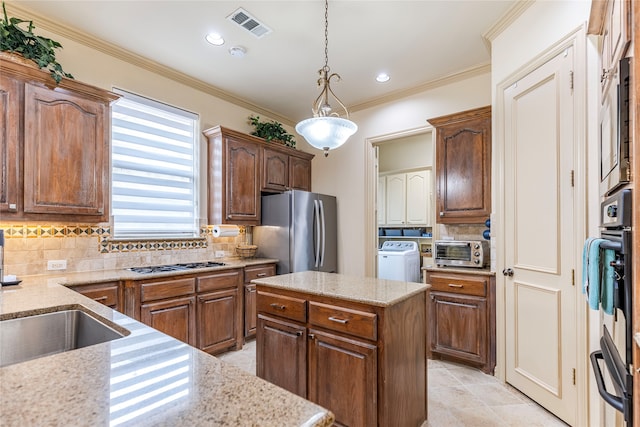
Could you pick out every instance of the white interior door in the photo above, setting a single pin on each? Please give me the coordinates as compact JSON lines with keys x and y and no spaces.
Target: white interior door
{"x":540,"y":318}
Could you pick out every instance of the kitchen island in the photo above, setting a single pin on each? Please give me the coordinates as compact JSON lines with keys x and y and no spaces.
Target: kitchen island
{"x":145,"y":378}
{"x":354,"y":345}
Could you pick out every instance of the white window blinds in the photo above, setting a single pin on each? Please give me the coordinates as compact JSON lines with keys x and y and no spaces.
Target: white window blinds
{"x":154,"y":173}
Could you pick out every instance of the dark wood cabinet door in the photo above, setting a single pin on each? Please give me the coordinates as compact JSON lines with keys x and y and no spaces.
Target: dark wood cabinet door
{"x":9,"y":143}
{"x":242,"y":194}
{"x":463,"y":167}
{"x":175,"y":317}
{"x":66,"y":158}
{"x":459,"y":327}
{"x":281,"y":354}
{"x":218,"y":321}
{"x":299,"y":173}
{"x":343,"y":377}
{"x":250,"y":315}
{"x":275,"y":171}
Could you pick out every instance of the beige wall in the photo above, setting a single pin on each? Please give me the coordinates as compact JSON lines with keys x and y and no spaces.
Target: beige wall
{"x":343,"y":172}
{"x":340,"y":174}
{"x":411,"y":152}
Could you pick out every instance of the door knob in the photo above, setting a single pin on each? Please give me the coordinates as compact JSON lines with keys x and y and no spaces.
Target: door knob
{"x":508,"y":272}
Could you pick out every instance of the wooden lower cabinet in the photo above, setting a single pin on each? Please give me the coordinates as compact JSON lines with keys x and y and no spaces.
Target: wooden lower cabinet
{"x":250,"y":313}
{"x":108,"y":293}
{"x":174,"y":316}
{"x":337,"y":364}
{"x":217,"y":320}
{"x":462,"y":324}
{"x":289,"y":341}
{"x":203,"y":310}
{"x":365,"y":363}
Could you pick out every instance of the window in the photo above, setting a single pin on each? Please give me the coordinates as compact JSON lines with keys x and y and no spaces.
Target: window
{"x":154,"y":173}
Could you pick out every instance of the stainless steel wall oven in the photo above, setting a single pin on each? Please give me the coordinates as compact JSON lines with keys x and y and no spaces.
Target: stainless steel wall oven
{"x":612,"y":361}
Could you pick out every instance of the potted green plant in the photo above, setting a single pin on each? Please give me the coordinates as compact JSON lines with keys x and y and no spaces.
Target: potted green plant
{"x":23,"y":42}
{"x":271,"y":131}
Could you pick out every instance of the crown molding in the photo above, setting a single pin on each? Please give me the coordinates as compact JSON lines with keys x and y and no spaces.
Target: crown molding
{"x":508,"y":18}
{"x":110,"y":49}
{"x":432,"y":84}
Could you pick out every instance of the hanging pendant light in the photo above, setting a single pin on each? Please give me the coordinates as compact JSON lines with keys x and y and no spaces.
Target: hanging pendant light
{"x":326,"y":130}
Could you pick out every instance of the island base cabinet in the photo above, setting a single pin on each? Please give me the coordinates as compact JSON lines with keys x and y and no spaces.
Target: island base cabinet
{"x":175,"y":317}
{"x":342,"y":376}
{"x":366,"y":363}
{"x":289,"y":342}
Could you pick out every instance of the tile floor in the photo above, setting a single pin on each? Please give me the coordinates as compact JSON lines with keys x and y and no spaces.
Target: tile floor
{"x":459,"y":396}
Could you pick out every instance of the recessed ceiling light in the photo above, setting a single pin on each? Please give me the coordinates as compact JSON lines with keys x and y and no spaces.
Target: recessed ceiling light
{"x":382,"y":77}
{"x":237,"y":51}
{"x":215,"y":39}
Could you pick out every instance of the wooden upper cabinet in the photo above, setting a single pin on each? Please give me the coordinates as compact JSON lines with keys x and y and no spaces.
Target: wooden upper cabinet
{"x":54,"y":147}
{"x":65,"y":138}
{"x":285,"y":170}
{"x":243,"y":166}
{"x":300,"y":172}
{"x":10,"y":133}
{"x":463,"y":167}
{"x":234,"y":177}
{"x":275,"y":171}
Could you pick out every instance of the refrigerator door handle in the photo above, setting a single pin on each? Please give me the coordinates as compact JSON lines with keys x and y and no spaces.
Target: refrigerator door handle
{"x":316,"y":219}
{"x":323,"y":233}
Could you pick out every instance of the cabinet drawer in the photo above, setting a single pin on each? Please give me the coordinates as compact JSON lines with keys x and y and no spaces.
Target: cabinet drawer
{"x":349,"y":321}
{"x":222,"y":280}
{"x":280,"y":305}
{"x":104,"y":293}
{"x":258,"y":272}
{"x":167,"y":289}
{"x":460,"y":285}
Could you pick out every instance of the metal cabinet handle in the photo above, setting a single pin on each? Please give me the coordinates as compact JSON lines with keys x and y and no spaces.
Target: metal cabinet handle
{"x":277,"y":306}
{"x":454,"y":285}
{"x":337,"y":320}
{"x":100,"y":299}
{"x":262,"y":274}
{"x":299,"y":333}
{"x":441,"y":213}
{"x":311,"y":336}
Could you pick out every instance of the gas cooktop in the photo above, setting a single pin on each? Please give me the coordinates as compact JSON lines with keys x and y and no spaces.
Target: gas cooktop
{"x":175,"y":267}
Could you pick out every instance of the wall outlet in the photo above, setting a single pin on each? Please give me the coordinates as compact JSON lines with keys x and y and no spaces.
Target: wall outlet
{"x":219,"y":254}
{"x":57,"y":264}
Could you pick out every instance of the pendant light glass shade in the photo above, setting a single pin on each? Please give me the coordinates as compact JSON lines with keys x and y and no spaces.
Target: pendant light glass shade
{"x":326,"y":133}
{"x":326,"y":130}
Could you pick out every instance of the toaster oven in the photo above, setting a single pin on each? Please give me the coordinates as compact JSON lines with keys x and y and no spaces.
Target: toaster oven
{"x":462,"y":253}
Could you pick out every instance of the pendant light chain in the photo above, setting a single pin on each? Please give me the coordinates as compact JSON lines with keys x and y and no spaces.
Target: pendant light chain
{"x":326,"y":130}
{"x":326,"y":35}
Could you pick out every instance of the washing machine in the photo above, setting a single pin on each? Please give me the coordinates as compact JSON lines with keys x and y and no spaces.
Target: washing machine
{"x":399,"y":260}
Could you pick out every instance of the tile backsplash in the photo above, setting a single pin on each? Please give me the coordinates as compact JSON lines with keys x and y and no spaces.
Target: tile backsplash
{"x":28,"y":248}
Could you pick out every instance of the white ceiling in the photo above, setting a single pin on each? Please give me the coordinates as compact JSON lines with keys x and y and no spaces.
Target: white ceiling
{"x":416,"y":42}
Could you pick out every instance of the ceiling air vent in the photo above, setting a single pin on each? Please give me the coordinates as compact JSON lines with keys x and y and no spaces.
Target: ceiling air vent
{"x":249,"y":23}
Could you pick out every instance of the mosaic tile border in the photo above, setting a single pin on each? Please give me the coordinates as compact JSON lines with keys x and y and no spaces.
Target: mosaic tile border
{"x":104,"y":234}
{"x":35,"y":231}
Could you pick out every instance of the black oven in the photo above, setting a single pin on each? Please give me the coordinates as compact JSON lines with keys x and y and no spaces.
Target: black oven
{"x":611,"y":360}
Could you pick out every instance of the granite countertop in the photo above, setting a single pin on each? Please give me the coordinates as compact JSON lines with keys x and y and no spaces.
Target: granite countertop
{"x":146,"y":378}
{"x":101,"y":276}
{"x":463,"y":270}
{"x":377,"y":292}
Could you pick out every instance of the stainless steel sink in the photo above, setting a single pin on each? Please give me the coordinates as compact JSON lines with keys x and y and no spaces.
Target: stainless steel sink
{"x":31,"y":337}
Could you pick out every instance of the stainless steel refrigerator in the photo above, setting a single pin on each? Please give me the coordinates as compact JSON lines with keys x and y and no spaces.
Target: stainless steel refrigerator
{"x":299,"y":229}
